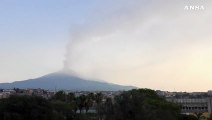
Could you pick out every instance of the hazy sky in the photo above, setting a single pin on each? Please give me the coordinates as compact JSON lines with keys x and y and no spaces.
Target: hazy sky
{"x":147,"y":43}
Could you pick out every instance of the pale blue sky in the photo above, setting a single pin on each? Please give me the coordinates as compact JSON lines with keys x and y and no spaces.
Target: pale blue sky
{"x":34,"y":35}
{"x":146,"y":43}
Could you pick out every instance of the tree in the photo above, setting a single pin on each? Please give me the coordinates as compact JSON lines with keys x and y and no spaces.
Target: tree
{"x":142,"y":104}
{"x":98,"y":100}
{"x":108,"y":109}
{"x":89,"y":101}
{"x":70,"y":97}
{"x":198,"y":115}
{"x":81,"y":102}
{"x":75,"y":104}
{"x":25,"y":108}
{"x":62,"y":110}
{"x":60,"y":95}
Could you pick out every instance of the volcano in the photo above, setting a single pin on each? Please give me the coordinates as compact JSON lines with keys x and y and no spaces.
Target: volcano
{"x":64,"y":81}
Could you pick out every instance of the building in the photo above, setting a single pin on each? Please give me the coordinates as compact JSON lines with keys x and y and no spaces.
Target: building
{"x":191,"y":105}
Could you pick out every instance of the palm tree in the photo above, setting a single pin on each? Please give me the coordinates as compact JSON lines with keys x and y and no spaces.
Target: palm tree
{"x":60,"y":95}
{"x":198,"y":115}
{"x":70,"y":97}
{"x":108,"y":109}
{"x":89,"y":101}
{"x":98,"y":99}
{"x":75,"y":104}
{"x":81,"y":102}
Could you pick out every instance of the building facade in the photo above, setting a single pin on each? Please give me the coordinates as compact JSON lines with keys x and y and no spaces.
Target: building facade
{"x":192,"y":105}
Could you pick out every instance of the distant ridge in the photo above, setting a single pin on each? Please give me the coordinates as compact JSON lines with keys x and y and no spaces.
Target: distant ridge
{"x":64,"y":81}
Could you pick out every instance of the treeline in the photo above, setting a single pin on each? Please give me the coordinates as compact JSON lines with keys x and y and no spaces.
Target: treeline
{"x":141,"y":104}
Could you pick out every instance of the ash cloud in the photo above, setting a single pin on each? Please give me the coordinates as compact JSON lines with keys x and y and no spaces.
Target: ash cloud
{"x":146,"y":43}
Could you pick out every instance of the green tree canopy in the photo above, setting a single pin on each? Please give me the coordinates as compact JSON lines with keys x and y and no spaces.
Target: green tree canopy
{"x":142,"y":104}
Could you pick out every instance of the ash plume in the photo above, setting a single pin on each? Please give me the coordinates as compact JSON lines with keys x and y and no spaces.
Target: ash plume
{"x":142,"y":42}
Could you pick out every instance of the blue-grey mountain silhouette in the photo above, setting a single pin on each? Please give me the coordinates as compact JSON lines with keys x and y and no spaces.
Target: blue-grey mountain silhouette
{"x":64,"y":81}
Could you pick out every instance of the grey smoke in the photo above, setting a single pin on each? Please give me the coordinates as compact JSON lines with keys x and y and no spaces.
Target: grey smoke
{"x":140,"y":42}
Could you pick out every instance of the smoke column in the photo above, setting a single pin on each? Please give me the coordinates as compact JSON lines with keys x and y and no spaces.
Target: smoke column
{"x":142,"y":42}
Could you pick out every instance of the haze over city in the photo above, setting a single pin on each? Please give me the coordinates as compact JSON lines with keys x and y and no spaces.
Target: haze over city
{"x":143,"y":43}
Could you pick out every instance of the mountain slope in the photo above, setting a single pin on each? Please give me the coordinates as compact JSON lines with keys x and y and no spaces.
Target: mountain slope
{"x":63,"y":81}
